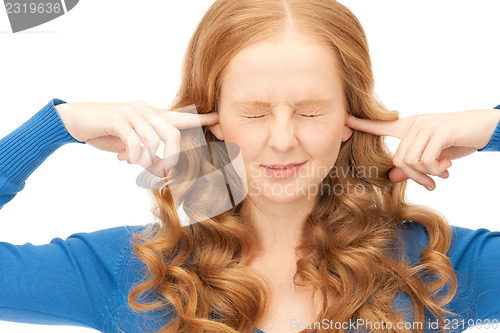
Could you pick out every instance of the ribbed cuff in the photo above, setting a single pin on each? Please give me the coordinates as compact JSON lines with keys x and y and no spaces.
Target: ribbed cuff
{"x":494,"y":144}
{"x":24,"y":149}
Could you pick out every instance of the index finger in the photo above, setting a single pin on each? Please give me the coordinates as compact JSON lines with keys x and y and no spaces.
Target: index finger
{"x":183,"y":120}
{"x":188,"y":120}
{"x":377,"y":127}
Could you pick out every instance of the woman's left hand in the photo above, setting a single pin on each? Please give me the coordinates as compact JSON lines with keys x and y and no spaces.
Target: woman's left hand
{"x":430,"y":141}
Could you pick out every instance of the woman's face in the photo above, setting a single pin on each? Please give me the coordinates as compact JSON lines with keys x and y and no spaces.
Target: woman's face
{"x":282,"y":103}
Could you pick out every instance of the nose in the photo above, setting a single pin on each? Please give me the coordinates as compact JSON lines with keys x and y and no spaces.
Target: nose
{"x":282,"y":133}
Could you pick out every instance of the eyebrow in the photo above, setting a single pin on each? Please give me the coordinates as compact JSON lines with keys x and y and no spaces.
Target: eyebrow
{"x":307,"y":102}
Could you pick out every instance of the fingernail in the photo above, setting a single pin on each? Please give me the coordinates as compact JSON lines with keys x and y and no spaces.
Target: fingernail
{"x":429,"y":187}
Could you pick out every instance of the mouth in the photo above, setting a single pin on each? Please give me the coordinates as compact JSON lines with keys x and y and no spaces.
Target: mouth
{"x":283,"y":170}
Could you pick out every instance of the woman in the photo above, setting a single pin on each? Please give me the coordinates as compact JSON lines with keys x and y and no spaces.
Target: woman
{"x":321,"y":234}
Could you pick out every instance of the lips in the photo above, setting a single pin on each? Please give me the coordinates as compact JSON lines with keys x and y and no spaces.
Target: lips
{"x":280,"y":171}
{"x":283,"y":166}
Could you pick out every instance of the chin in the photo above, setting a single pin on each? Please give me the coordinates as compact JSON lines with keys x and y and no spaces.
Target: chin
{"x":284,"y":199}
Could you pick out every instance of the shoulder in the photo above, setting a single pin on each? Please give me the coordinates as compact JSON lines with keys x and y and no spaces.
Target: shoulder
{"x":465,"y":242}
{"x":112,"y":247}
{"x":474,"y":245}
{"x":475,"y":257}
{"x":107,"y":240}
{"x":115,"y":246}
{"x":113,"y":235}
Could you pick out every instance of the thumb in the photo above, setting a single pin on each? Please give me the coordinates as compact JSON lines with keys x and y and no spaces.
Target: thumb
{"x":122,"y":155}
{"x":396,"y":175}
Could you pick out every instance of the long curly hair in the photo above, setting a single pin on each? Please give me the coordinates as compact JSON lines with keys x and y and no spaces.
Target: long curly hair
{"x":198,"y":272}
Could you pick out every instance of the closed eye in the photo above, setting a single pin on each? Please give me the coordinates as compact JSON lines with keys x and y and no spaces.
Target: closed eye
{"x":259,"y":116}
{"x":309,"y":115}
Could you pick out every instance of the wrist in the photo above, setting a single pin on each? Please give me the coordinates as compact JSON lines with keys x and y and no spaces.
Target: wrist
{"x":493,"y":143}
{"x":64,"y":112}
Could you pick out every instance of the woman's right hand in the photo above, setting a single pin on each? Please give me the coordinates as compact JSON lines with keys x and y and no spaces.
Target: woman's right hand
{"x":122,"y":127}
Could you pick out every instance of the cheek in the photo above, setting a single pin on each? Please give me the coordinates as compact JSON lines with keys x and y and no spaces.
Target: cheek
{"x":323,"y":144}
{"x":322,"y":138}
{"x":246,"y":136}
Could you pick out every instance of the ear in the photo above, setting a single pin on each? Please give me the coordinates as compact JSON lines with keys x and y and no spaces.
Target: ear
{"x":217,"y":131}
{"x":346,"y":134}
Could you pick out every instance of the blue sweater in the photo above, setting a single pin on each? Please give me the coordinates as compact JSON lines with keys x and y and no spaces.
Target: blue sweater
{"x":84,"y":280}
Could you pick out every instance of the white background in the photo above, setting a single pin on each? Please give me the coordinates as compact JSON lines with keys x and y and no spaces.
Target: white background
{"x":428,"y":57}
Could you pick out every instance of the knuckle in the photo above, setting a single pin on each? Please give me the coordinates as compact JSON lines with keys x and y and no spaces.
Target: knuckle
{"x":432,"y":124}
{"x":128,"y":108}
{"x":167,"y":116}
{"x":424,"y":122}
{"x":175,"y":134}
{"x":429,"y":165}
{"x":428,"y":122}
{"x":141,"y":107}
{"x":145,"y":161}
{"x":132,"y":140}
{"x":397,"y":161}
{"x":408,"y":160}
{"x":418,"y":121}
{"x":126,"y":112}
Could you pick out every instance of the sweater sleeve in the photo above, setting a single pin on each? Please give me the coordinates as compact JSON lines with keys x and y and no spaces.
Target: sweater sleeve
{"x":65,"y":282}
{"x":494,"y":143}
{"x":475,"y":259}
{"x":28,"y":146}
{"x":71,"y":282}
{"x":475,"y":256}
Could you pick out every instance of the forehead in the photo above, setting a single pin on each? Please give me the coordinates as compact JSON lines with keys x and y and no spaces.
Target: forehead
{"x":297,"y":104}
{"x":294,"y":65}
